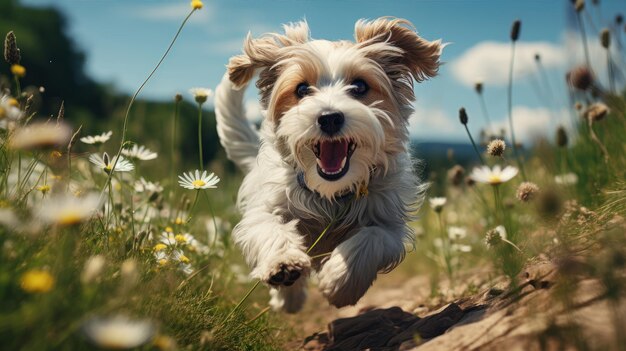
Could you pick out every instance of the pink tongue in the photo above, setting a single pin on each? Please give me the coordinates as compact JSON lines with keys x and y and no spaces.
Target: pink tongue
{"x":332,"y":153}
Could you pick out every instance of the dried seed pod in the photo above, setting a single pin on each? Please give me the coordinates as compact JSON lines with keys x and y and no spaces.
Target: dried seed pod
{"x":463,"y":116}
{"x":581,"y":78}
{"x":11,"y":52}
{"x":561,"y":137}
{"x":478,"y":87}
{"x":605,"y":38}
{"x":515,"y":29}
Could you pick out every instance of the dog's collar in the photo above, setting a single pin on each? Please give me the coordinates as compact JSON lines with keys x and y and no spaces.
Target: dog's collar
{"x":362,"y":191}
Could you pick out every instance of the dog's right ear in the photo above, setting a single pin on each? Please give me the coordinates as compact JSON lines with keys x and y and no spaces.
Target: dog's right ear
{"x":258,"y":53}
{"x":264,"y":52}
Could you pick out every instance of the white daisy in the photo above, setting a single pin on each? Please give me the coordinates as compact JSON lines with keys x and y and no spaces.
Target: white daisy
{"x":97,"y":139}
{"x":493,"y":176}
{"x":460,"y":248}
{"x":106,"y":164}
{"x":198,"y":181}
{"x":437,"y":203}
{"x":9,"y":111}
{"x":456,"y":233}
{"x":566,"y":179}
{"x":161,"y":257}
{"x":201,"y":94}
{"x":143,"y":185}
{"x":40,"y":135}
{"x":68,"y":210}
{"x":139,"y":152}
{"x":168,"y":238}
{"x":119,"y":332}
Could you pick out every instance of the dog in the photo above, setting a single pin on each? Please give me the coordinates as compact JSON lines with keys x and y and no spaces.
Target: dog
{"x":331,"y":155}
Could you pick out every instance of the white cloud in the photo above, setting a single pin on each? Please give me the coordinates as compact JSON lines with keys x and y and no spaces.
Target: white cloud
{"x":531,"y":123}
{"x":489,"y":61}
{"x":427,"y":123}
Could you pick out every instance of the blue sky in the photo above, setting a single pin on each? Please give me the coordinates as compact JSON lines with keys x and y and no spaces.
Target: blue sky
{"x":123,"y":39}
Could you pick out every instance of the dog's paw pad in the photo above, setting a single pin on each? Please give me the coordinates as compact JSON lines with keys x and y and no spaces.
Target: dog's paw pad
{"x":287,"y":275}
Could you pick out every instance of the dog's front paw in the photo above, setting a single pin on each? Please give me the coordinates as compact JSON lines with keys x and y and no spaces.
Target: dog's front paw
{"x":284,"y":268}
{"x":342,"y":284}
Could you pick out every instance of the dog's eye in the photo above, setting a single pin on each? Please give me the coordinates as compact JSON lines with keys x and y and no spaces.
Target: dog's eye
{"x":359,"y":87}
{"x":302,"y":90}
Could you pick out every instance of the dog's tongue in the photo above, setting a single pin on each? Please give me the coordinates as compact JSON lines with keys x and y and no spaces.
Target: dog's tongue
{"x":332,"y":154}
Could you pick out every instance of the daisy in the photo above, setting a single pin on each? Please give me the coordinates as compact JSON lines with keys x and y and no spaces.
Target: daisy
{"x":142,"y":185}
{"x":201,"y":94}
{"x":161,"y":257}
{"x":118,"y":332}
{"x":493,"y":176}
{"x":566,"y":179}
{"x":199,"y":181}
{"x":456,"y":233}
{"x":437,"y":203}
{"x":40,"y":135}
{"x":9,"y":111}
{"x":140,"y":153}
{"x":68,"y":210}
{"x":106,"y":164}
{"x":168,"y":238}
{"x":97,"y":139}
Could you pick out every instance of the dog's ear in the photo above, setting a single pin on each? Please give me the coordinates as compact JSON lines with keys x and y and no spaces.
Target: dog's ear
{"x":384,"y":36}
{"x":264,"y":52}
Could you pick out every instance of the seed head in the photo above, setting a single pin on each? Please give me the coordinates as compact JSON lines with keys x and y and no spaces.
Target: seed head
{"x":11,"y":53}
{"x":537,"y":57}
{"x":463,"y":116}
{"x":493,"y":237}
{"x":456,"y":174}
{"x":581,"y":78}
{"x":496,"y":148}
{"x":478,"y":87}
{"x":517,"y":24}
{"x":527,"y":191}
{"x":561,"y":137}
{"x":469,"y":181}
{"x":579,"y":5}
{"x":596,"y":112}
{"x":605,"y":38}
{"x":619,"y":18}
{"x":178,"y":97}
{"x":578,"y":106}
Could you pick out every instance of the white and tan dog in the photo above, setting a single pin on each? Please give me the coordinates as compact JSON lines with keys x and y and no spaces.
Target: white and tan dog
{"x":333,"y":143}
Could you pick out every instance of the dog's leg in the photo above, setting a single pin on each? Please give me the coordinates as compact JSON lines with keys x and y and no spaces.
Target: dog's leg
{"x":289,"y":298}
{"x":274,"y":250}
{"x":354,"y":264}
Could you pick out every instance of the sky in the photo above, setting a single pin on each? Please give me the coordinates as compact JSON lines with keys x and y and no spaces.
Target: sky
{"x":124,"y":39}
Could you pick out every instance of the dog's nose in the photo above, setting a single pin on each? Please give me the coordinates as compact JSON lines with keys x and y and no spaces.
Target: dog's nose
{"x":330,"y":122}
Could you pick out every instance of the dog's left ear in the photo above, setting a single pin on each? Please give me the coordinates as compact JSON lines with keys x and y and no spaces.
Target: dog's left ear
{"x":385,"y":35}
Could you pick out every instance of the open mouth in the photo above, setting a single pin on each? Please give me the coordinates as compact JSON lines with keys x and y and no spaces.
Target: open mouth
{"x":333,"y":157}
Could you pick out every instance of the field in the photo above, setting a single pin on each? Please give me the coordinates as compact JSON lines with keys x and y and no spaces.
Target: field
{"x":107,"y":244}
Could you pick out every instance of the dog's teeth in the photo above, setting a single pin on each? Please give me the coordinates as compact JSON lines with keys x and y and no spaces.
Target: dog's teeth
{"x":343,"y":163}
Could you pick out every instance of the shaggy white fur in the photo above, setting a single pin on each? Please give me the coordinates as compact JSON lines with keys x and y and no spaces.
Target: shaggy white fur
{"x":302,"y":172}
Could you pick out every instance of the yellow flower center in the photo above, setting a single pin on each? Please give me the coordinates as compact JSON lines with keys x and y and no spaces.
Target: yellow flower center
{"x":159,"y":247}
{"x":180,"y":238}
{"x":198,"y":183}
{"x":495,"y":179}
{"x":108,"y":167}
{"x":37,"y":281}
{"x":69,"y":217}
{"x":44,"y":188}
{"x":162,"y":262}
{"x":18,"y":70}
{"x":178,"y":221}
{"x":169,"y":229}
{"x":183,"y":259}
{"x":196,"y":4}
{"x":13,"y":102}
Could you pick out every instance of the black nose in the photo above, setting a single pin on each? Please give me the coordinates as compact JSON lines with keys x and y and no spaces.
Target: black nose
{"x":330,"y":122}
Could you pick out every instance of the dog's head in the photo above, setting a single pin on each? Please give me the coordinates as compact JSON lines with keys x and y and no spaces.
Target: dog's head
{"x":338,"y":109}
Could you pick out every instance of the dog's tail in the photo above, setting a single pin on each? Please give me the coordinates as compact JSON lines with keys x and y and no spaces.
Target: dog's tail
{"x":237,"y":135}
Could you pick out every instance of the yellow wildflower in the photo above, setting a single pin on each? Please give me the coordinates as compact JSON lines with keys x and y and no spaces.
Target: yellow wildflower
{"x":180,"y":238}
{"x":178,"y":221}
{"x":169,"y":229}
{"x":196,"y":4}
{"x":159,"y":247}
{"x":36,"y":281}
{"x":44,"y":189}
{"x":18,"y":70}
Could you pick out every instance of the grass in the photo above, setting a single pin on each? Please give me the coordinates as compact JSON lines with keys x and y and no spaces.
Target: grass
{"x":165,"y":258}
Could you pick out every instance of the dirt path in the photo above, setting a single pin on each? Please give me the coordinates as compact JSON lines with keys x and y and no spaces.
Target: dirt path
{"x":403,"y":316}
